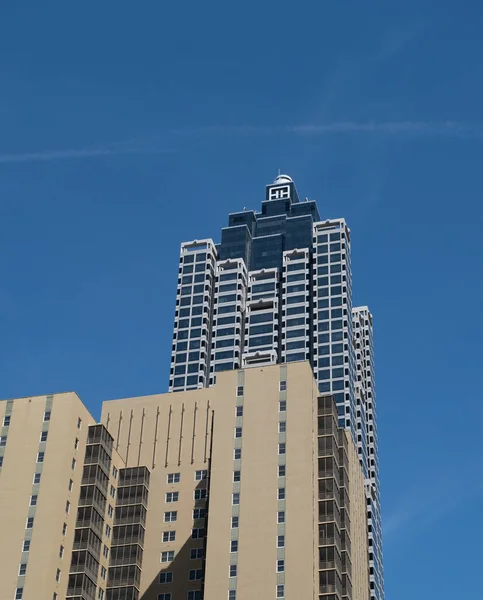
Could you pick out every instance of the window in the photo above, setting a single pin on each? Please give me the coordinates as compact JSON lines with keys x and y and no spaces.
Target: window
{"x":198,"y":533}
{"x":172,"y":497}
{"x":47,"y":415}
{"x":195,"y":574}
{"x":3,"y":441}
{"x":280,"y":591}
{"x":37,"y":478}
{"x":233,"y":570}
{"x":103,"y":572}
{"x":61,"y":552}
{"x":236,"y":476}
{"x":22,"y":569}
{"x":6,"y":421}
{"x":30,"y":523}
{"x":40,"y":457}
{"x":19,"y":594}
{"x":237,"y":454}
{"x":57,"y":575}
{"x":283,"y":386}
{"x":108,"y":531}
{"x":281,"y":448}
{"x":239,"y":411}
{"x":105,"y":551}
{"x":110,"y":511}
{"x":26,"y":546}
{"x":71,"y":483}
{"x":232,"y":595}
{"x":76,"y":443}
{"x":281,"y":493}
{"x":281,"y":470}
{"x":112,"y":491}
{"x":280,"y":541}
{"x":280,"y":566}
{"x":281,"y":516}
{"x":234,"y":546}
{"x":67,"y":507}
{"x":169,"y":536}
{"x":43,"y":436}
{"x":166,"y":577}
{"x":1,"y":461}
{"x":79,"y":423}
{"x":174,"y":477}
{"x":196,"y":553}
{"x":282,"y":405}
{"x":239,"y":390}
{"x":195,"y":595}
{"x":114,"y":472}
{"x":74,"y":462}
{"x":165,"y":596}
{"x":200,"y":475}
{"x":33,"y":500}
{"x":100,"y":595}
{"x":64,"y":528}
{"x":170,"y":516}
{"x":235,"y":498}
{"x":200,"y":494}
{"x":199,"y":513}
{"x":238,"y":432}
{"x":167,"y":556}
{"x":282,"y":427}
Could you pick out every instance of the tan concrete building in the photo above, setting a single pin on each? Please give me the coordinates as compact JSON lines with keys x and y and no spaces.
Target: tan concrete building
{"x":248,"y":489}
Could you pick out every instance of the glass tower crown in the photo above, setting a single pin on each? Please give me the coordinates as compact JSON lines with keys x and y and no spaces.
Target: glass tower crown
{"x":278,"y":288}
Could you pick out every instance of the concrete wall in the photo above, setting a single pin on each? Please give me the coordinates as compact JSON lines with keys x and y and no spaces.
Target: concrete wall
{"x":16,"y":487}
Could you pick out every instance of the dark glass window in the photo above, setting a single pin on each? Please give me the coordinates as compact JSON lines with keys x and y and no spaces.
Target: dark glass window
{"x":263,"y":340}
{"x":260,"y":317}
{"x":257,"y":329}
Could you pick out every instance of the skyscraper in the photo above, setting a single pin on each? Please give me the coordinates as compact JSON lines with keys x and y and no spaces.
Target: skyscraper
{"x":258,"y":478}
{"x":247,"y":489}
{"x":278,"y":289}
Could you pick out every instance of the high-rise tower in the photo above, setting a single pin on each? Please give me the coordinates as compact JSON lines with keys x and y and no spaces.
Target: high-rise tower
{"x":261,"y":483}
{"x":278,"y":289}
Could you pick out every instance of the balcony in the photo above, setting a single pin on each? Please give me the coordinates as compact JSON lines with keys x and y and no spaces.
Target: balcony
{"x":134,"y":476}
{"x":85,"y":568}
{"x":130,"y":515}
{"x":91,"y":523}
{"x":77,"y":592}
{"x":136,"y":494}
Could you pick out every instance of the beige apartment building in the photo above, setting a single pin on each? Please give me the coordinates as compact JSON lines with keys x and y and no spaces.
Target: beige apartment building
{"x":244,"y":490}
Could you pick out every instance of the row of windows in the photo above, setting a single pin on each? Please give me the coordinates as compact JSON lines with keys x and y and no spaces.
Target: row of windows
{"x":190,"y":258}
{"x":334,"y":268}
{"x":187,"y":279}
{"x":192,"y":595}
{"x":188,"y":269}
{"x":176,"y":477}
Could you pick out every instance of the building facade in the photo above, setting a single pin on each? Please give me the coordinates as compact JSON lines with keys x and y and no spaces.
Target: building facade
{"x":278,"y":289}
{"x":246,"y":489}
{"x":258,"y":478}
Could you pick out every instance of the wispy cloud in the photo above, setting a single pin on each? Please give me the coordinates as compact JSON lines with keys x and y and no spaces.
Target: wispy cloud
{"x":72,"y":153}
{"x":396,"y":129}
{"x":455,"y":129}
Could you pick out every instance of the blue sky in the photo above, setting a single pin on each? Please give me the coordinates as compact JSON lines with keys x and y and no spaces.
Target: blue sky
{"x":126,"y":128}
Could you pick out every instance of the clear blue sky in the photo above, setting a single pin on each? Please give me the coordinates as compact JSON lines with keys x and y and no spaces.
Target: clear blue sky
{"x":127,"y":127}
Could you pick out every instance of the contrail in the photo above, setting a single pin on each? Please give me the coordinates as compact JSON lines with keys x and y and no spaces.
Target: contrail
{"x":49,"y":155}
{"x":455,"y":129}
{"x":401,"y":129}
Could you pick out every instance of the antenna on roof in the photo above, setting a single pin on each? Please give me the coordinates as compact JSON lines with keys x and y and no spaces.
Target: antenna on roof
{"x":279,"y":172}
